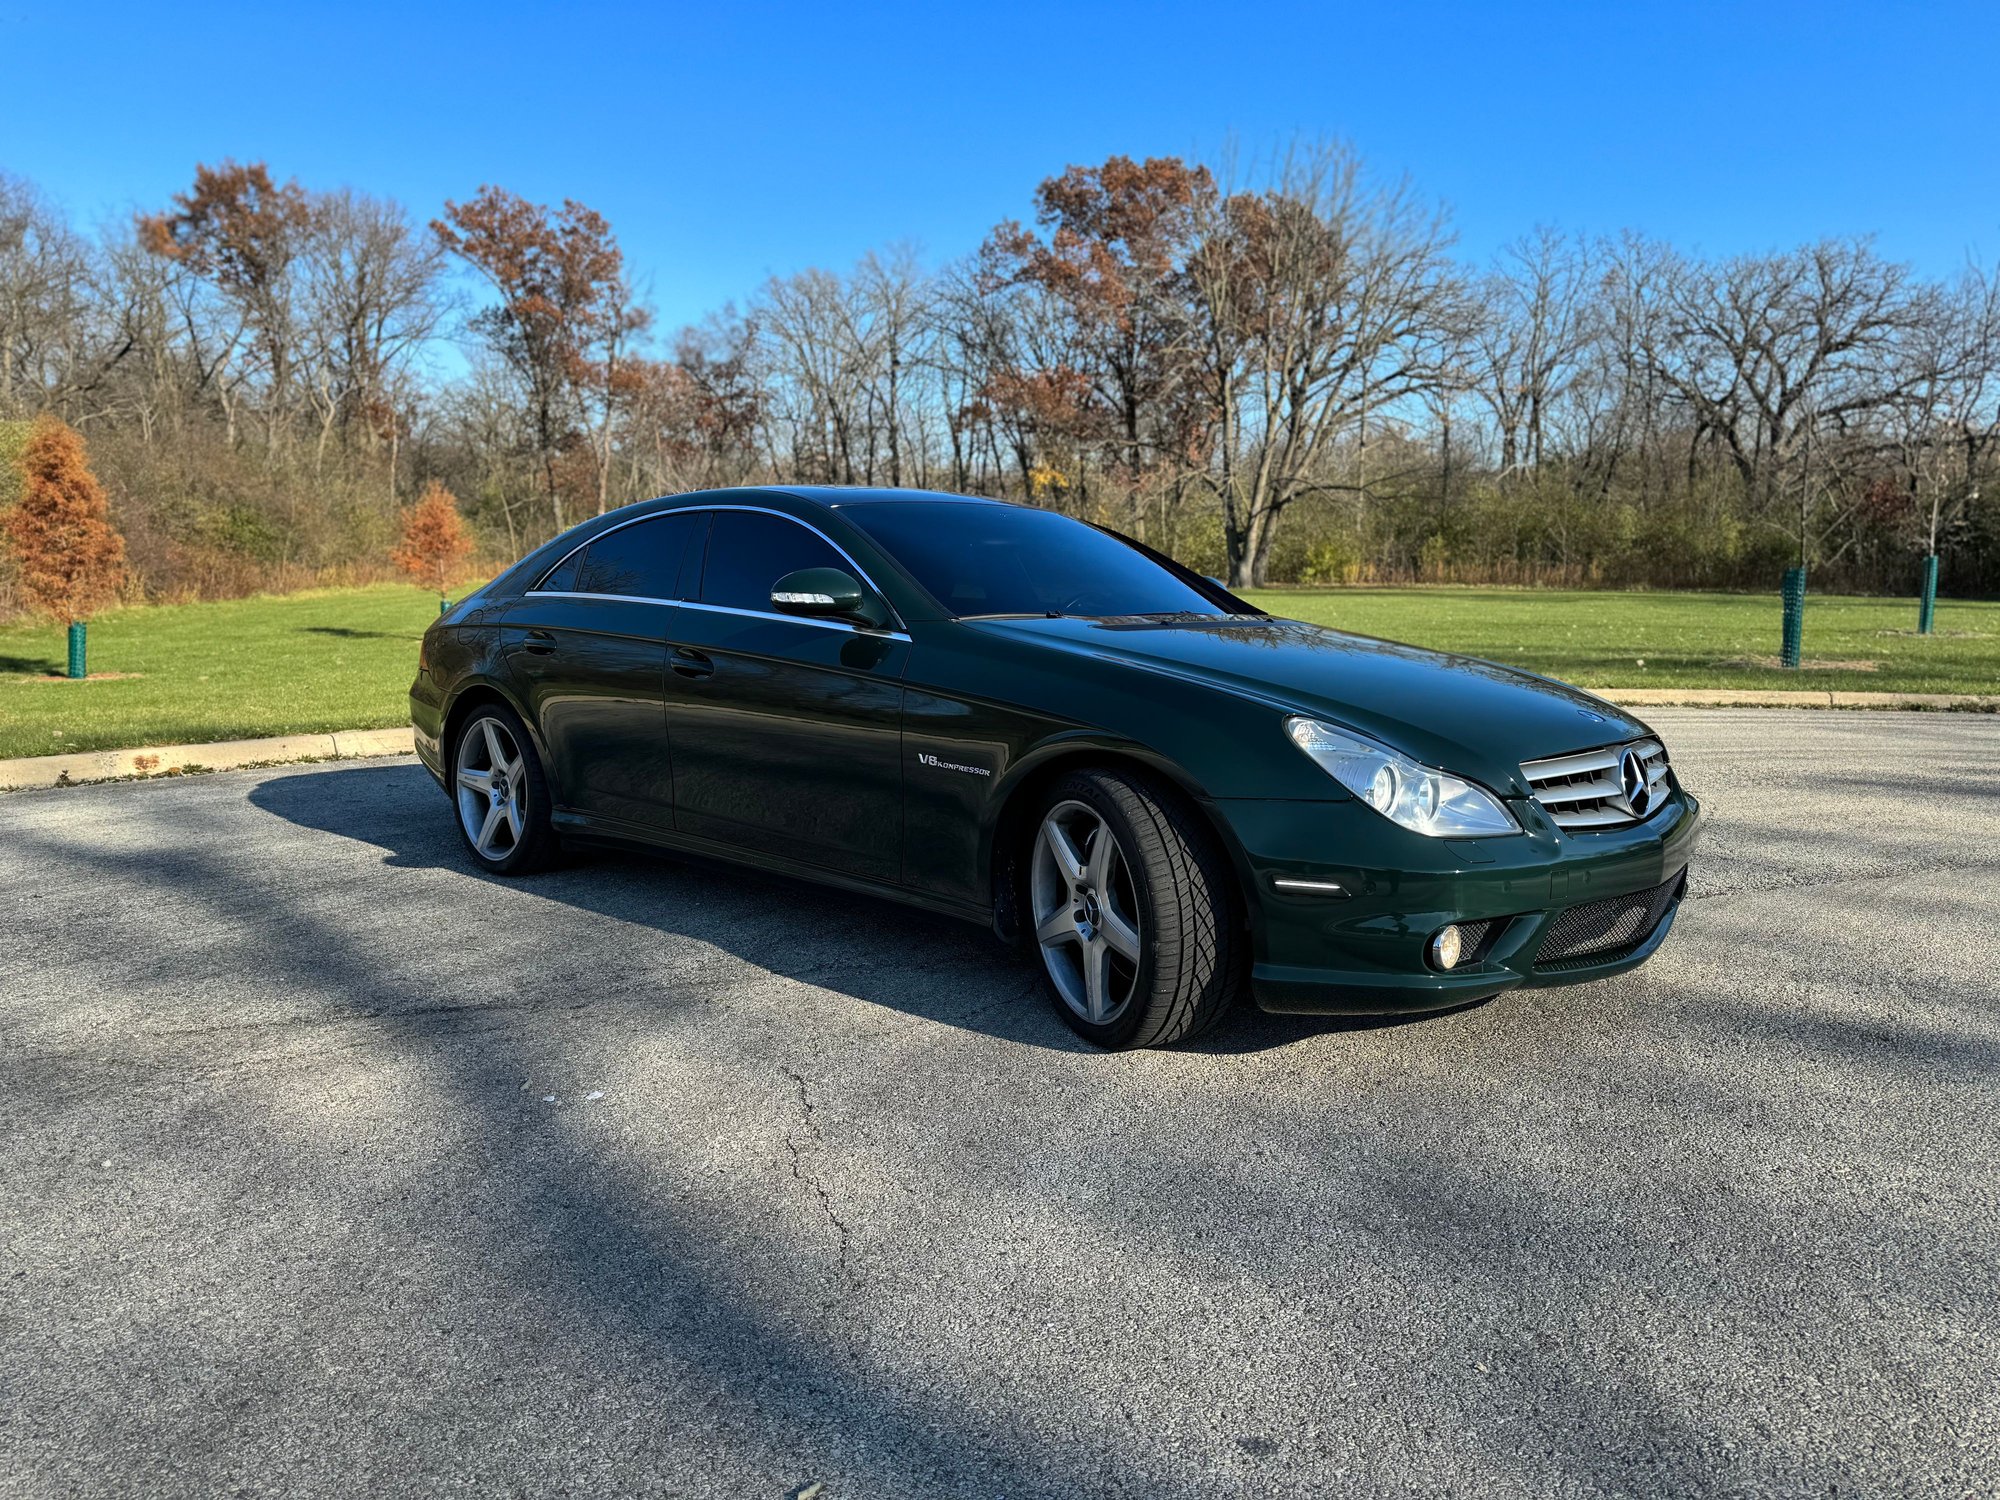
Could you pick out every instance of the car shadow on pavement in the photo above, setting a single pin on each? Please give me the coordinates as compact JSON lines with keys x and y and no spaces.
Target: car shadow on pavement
{"x":645,"y":1290}
{"x":1619,"y":1254}
{"x":870,"y":948}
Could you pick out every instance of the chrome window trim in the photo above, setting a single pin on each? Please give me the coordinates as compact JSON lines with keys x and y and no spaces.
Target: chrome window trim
{"x":723,"y":609}
{"x":760,"y":510}
{"x":607,"y":598}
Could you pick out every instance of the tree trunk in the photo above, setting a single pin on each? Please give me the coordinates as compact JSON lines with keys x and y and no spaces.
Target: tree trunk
{"x":895,"y":440}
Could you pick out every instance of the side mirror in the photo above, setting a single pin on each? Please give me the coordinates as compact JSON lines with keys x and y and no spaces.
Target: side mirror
{"x":827,"y":594}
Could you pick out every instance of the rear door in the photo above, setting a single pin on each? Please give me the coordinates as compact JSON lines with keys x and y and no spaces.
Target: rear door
{"x":587,"y":646}
{"x":787,"y":732}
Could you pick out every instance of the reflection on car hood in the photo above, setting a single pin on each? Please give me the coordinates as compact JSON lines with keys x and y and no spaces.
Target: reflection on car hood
{"x":1475,"y":717}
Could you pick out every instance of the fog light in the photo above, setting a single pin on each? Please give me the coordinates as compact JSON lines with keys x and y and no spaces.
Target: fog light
{"x":1447,"y":948}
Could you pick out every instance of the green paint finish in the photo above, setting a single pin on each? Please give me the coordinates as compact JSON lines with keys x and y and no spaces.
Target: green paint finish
{"x":916,"y":758}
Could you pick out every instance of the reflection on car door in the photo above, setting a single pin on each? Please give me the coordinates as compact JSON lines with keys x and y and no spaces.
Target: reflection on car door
{"x":786,"y":732}
{"x":587,"y":648}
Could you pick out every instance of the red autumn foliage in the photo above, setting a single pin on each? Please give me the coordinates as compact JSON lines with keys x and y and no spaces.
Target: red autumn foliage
{"x":1116,"y":237}
{"x":70,"y":559}
{"x":237,"y":226}
{"x":434,"y":539}
{"x":565,"y":319}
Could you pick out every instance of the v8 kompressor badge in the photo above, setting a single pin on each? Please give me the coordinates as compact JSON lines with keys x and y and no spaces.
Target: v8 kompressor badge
{"x":926,"y":759}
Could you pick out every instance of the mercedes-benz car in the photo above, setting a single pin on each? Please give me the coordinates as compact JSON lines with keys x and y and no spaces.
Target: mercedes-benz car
{"x":1162,"y":794}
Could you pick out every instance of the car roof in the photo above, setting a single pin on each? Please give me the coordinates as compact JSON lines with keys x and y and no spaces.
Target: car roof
{"x":835,"y":496}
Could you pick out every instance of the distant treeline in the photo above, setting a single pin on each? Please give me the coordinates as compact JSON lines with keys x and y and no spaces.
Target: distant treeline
{"x":1279,"y":375}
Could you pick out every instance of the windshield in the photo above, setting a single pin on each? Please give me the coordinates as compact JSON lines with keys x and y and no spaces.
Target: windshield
{"x":1010,"y":560}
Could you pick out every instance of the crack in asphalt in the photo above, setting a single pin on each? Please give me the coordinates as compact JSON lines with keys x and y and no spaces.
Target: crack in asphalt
{"x":810,"y":1179}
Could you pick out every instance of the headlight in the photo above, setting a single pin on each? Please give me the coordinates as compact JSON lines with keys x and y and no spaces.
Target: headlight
{"x":1417,"y":797}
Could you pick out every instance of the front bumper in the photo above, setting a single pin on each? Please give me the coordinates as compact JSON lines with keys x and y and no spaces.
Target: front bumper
{"x":1362,"y":952}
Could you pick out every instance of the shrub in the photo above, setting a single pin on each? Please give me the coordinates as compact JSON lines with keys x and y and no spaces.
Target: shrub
{"x":69,"y":559}
{"x":434,"y":542}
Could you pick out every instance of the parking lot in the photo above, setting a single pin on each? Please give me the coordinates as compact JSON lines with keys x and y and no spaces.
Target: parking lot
{"x":333,"y":1166}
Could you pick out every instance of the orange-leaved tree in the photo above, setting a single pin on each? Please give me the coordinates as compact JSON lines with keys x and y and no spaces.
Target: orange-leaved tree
{"x":434,"y":539}
{"x":69,"y":558}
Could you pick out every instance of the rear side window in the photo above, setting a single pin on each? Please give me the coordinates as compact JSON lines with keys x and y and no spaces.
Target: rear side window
{"x":641,"y":561}
{"x":561,"y":579}
{"x":749,"y":551}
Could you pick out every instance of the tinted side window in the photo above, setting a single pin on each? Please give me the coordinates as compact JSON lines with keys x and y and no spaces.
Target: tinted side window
{"x":561,"y":579}
{"x":642,"y":560}
{"x":749,"y":551}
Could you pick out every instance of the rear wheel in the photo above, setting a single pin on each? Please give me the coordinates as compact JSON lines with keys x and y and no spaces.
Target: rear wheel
{"x":500,"y":793}
{"x":1130,"y":903}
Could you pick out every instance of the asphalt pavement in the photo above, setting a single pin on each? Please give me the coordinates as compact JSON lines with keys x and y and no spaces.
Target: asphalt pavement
{"x":330,"y":1166}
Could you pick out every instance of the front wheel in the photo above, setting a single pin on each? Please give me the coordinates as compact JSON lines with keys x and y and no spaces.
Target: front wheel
{"x":501,"y":794}
{"x":1133,"y":920}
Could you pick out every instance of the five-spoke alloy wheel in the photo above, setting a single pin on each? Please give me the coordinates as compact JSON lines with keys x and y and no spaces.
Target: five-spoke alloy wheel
{"x":1086,"y":913}
{"x":502,"y":795}
{"x":1133,"y":919}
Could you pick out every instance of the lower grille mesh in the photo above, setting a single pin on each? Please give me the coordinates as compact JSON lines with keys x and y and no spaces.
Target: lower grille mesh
{"x":1601,"y":932}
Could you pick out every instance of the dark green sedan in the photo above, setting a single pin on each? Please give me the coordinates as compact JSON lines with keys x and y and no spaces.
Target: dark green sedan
{"x":1002,"y":714}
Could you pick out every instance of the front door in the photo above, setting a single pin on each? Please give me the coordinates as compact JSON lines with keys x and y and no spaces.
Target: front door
{"x":588,"y":646}
{"x":787,"y":732}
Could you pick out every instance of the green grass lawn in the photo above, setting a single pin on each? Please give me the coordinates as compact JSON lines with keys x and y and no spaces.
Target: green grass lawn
{"x":240,"y":669}
{"x":343,"y":659}
{"x":1675,"y":640}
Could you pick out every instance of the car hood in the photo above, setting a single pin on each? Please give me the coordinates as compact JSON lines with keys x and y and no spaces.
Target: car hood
{"x":1476,"y":718}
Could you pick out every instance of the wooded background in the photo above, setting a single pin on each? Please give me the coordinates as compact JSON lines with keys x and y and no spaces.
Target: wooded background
{"x":1280,"y":373}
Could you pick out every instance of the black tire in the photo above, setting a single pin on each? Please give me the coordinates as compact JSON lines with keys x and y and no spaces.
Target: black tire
{"x":1191,"y":955}
{"x":535,"y":846}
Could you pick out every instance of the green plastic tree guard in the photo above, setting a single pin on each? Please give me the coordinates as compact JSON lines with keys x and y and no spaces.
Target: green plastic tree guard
{"x":1795,"y":615}
{"x":1927,"y":611}
{"x":76,"y":649}
{"x":444,"y":605}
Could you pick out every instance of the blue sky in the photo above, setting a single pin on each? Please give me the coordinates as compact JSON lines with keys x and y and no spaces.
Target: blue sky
{"x":726,"y":143}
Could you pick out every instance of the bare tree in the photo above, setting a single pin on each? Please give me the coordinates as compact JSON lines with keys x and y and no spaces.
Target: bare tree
{"x":562,"y":294}
{"x":1778,"y":358}
{"x":694,"y":421}
{"x":371,"y":290}
{"x":1323,"y":300}
{"x":1534,"y":325}
{"x":1943,"y":419}
{"x":817,"y":352}
{"x":242,"y":233}
{"x":45,"y":313}
{"x":895,"y":302}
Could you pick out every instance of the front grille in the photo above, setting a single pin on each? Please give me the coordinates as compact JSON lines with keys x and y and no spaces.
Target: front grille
{"x":1602,"y":932}
{"x":1592,"y":788}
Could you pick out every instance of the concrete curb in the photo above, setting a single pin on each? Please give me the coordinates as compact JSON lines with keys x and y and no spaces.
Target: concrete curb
{"x":173,"y":760}
{"x":1789,"y":698}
